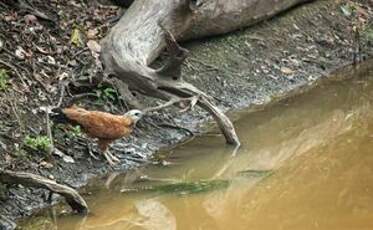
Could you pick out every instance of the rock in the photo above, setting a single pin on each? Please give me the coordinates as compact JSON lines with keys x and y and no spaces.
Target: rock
{"x":92,"y":33}
{"x":20,"y":53}
{"x":66,"y":158}
{"x":6,"y":224}
{"x":30,"y":19}
{"x":94,"y":46}
{"x":286,"y":70}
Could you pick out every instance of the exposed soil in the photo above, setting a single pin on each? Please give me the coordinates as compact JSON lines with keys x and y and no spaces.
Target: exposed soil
{"x":252,"y":67}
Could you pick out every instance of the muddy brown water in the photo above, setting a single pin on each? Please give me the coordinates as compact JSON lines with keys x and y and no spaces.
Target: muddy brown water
{"x":305,"y":163}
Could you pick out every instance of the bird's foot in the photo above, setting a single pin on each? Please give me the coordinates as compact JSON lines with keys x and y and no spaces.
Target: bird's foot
{"x":113,"y":160}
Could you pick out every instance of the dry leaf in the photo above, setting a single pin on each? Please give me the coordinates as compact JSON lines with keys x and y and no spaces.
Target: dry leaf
{"x":76,"y":38}
{"x":41,"y":50}
{"x":91,"y":34}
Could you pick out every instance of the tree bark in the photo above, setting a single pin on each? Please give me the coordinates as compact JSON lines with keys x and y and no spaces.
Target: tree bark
{"x":149,"y":26}
{"x":221,"y":16}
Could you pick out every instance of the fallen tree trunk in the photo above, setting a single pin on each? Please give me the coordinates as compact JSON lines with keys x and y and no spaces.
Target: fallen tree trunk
{"x":149,"y":26}
{"x":221,"y":16}
{"x":76,"y":202}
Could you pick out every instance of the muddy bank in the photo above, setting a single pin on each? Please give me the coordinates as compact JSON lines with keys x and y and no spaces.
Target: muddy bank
{"x":248,"y":68}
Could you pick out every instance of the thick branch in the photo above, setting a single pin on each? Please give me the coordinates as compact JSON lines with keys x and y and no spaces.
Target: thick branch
{"x":184,"y":90}
{"x":222,"y":16}
{"x":72,"y":197}
{"x":225,"y":125}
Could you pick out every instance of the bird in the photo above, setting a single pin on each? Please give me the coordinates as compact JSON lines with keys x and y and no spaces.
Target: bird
{"x":106,"y":127}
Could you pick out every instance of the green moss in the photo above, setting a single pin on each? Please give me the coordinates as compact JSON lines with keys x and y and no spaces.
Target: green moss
{"x":75,"y":131}
{"x":39,"y":143}
{"x":105,"y":94}
{"x":4,"y":78}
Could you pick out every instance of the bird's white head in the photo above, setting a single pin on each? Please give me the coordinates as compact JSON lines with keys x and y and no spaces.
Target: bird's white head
{"x":135,"y":115}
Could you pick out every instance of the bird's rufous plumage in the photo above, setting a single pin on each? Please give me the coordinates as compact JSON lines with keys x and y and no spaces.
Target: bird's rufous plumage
{"x":106,"y":127}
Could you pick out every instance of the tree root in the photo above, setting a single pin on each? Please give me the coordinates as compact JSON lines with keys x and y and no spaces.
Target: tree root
{"x":125,"y":92}
{"x":164,"y":83}
{"x":185,"y":103}
{"x":72,"y":197}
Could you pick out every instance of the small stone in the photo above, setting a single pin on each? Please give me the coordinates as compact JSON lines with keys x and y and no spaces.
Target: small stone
{"x":286,"y":70}
{"x":29,"y":19}
{"x":94,"y":46}
{"x":20,"y":53}
{"x":46,"y":165}
{"x":9,"y":18}
{"x":51,"y":60}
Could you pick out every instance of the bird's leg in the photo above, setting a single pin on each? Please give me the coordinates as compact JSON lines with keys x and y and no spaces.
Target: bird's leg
{"x":104,"y":145}
{"x":90,"y":150}
{"x":113,"y":160}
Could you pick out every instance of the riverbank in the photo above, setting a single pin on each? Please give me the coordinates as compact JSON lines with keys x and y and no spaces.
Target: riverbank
{"x":248,"y":68}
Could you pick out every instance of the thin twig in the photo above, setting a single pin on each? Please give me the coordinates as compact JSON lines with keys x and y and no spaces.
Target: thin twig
{"x":62,"y":95}
{"x":25,"y":5}
{"x":14,"y":69}
{"x":41,"y":83}
{"x":78,"y":53}
{"x":80,"y":96}
{"x":14,"y":109}
{"x":49,"y":134}
{"x":191,"y":100}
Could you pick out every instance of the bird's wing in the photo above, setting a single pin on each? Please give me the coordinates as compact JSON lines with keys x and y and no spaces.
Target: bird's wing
{"x":99,"y":124}
{"x":75,"y":113}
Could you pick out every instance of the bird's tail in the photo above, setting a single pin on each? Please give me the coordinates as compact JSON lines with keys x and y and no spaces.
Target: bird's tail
{"x":57,"y":116}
